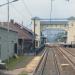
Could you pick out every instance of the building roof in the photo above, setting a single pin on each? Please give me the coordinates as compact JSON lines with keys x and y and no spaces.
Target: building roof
{"x":7,"y":29}
{"x":71,"y":18}
{"x":53,"y":22}
{"x":36,"y":18}
{"x":23,"y":32}
{"x":4,"y":25}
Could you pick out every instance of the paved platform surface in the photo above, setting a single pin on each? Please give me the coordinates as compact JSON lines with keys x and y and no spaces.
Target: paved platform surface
{"x":33,"y":64}
{"x":29,"y":68}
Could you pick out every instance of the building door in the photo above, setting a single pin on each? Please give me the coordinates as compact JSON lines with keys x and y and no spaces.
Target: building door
{"x":0,"y":50}
{"x":15,"y":48}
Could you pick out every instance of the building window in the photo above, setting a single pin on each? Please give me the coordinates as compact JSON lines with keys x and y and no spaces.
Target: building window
{"x":36,"y":43}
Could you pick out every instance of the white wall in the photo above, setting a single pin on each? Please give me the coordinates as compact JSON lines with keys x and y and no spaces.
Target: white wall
{"x":71,"y":32}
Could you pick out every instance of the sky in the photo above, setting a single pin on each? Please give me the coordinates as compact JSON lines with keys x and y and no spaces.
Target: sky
{"x":23,"y":10}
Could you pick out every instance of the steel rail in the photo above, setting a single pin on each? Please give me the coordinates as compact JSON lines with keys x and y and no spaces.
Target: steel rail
{"x":67,"y":58}
{"x":69,"y":52}
{"x":55,"y":62}
{"x":44,"y":56}
{"x":44,"y":64}
{"x":45,"y":61}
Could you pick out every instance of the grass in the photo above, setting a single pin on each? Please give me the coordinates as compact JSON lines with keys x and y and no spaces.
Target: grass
{"x":14,"y":62}
{"x":23,"y":73}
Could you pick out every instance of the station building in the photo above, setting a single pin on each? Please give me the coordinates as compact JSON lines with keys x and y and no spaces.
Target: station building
{"x":68,"y":25}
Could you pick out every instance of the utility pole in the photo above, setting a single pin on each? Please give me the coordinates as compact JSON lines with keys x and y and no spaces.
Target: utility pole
{"x":22,"y":40}
{"x":8,"y":16}
{"x":8,"y":22}
{"x":8,"y":13}
{"x":34,"y":38}
{"x":8,"y":27}
{"x":51,"y":11}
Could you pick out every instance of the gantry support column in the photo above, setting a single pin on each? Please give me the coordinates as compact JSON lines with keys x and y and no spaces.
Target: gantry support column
{"x":71,"y":32}
{"x":37,"y":31}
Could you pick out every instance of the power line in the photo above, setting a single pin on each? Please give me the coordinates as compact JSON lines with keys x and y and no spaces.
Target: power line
{"x":28,"y":10}
{"x":7,"y":3}
{"x":18,"y":12}
{"x":51,"y":8}
{"x":51,"y":11}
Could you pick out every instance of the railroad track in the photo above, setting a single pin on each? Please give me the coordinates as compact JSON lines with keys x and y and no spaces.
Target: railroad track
{"x":48,"y":61}
{"x":66,"y":62}
{"x":56,"y":63}
{"x":41,"y":64}
{"x":66,"y":51}
{"x":56,"y":70}
{"x":45,"y":60}
{"x":52,"y":61}
{"x":69,"y":52}
{"x":67,"y":58}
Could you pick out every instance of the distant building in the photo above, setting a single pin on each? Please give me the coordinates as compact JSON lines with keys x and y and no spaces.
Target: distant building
{"x":68,"y":25}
